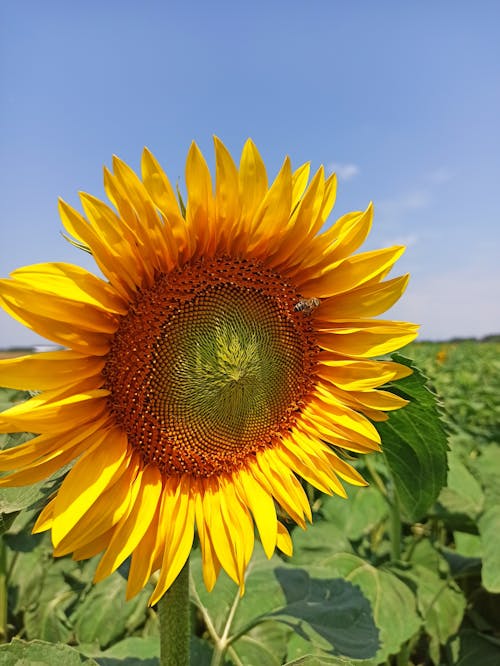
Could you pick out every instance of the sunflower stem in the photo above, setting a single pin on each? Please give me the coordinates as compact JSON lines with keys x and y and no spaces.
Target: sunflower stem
{"x":174,"y":616}
{"x":3,"y":591}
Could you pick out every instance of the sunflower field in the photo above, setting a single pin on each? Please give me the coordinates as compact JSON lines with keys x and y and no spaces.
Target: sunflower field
{"x":406,"y":571}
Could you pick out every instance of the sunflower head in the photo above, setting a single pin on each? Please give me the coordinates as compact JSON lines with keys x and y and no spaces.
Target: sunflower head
{"x":223,"y":356}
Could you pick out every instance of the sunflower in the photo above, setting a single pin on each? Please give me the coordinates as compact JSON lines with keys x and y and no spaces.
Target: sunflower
{"x":223,"y":354}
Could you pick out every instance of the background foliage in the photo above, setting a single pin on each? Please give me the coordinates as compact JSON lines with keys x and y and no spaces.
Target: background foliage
{"x":406,"y":571}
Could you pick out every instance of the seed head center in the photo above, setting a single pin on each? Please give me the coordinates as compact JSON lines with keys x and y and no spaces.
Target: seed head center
{"x":208,"y":368}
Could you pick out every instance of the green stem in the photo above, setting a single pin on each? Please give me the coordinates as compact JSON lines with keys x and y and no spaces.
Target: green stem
{"x":3,"y":591}
{"x":394,"y":510}
{"x":395,"y":518}
{"x":174,"y":616}
{"x":222,"y":644}
{"x":377,"y":479}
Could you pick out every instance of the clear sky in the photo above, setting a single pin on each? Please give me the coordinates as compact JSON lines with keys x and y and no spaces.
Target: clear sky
{"x":401,"y":98}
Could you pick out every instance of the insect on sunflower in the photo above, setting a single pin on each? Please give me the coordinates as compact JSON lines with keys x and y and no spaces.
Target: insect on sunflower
{"x":225,"y":353}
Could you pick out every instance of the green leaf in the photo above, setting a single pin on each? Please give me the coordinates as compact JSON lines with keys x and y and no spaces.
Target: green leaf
{"x":46,"y":618}
{"x":10,"y":397}
{"x":201,"y":652}
{"x":487,"y":466}
{"x":415,"y":444}
{"x":265,"y":644}
{"x":477,"y":650}
{"x":271,"y":595}
{"x":440,"y":601}
{"x":463,"y":493}
{"x":313,"y":660}
{"x":29,"y":567}
{"x":13,"y":500}
{"x":357,"y":516}
{"x":104,"y":616}
{"x":468,"y":545}
{"x":489,"y":531}
{"x":39,"y":653}
{"x":336,"y":611}
{"x":393,"y":603}
{"x":6,"y":520}
{"x":131,"y":651}
{"x":317,"y":542}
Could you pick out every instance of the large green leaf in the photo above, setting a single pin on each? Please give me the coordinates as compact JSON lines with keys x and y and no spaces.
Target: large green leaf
{"x":333,"y":614}
{"x":334,"y":609}
{"x":393,"y":603}
{"x":415,"y":444}
{"x":39,"y":653}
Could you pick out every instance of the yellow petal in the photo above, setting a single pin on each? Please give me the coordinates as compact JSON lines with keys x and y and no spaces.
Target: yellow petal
{"x":200,"y":203}
{"x":46,"y":447}
{"x":102,"y":240}
{"x":93,"y":548}
{"x":179,"y":539}
{"x":262,"y":507}
{"x":286,"y":489}
{"x":311,"y":469}
{"x":353,"y":375}
{"x":303,"y":219}
{"x":82,"y":486}
{"x":341,"y":415}
{"x":73,"y":284}
{"x":147,"y":224}
{"x":284,"y":541}
{"x":300,"y":178}
{"x":176,"y":231}
{"x":368,"y":301}
{"x":105,"y":512}
{"x":349,"y":273}
{"x":35,"y":416}
{"x":379,"y":400}
{"x":47,"y":370}
{"x":134,"y":524}
{"x":237,"y":517}
{"x":82,"y":316}
{"x":272,"y":215}
{"x":210,"y":562}
{"x":44,"y":520}
{"x":252,"y":181}
{"x":141,"y":563}
{"x":227,"y":205}
{"x":329,"y":197}
{"x":373,"y":340}
{"x":220,"y":533}
{"x":346,"y":471}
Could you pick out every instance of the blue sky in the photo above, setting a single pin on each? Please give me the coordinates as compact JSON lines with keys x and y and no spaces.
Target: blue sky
{"x":402,"y":98}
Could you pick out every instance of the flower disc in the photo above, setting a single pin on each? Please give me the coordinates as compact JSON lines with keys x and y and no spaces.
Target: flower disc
{"x":210,"y":365}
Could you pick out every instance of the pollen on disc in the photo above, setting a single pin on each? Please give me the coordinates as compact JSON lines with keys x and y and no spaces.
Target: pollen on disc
{"x":210,"y":365}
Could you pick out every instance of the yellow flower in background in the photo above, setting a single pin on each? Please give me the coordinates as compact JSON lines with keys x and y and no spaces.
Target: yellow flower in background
{"x":225,"y":352}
